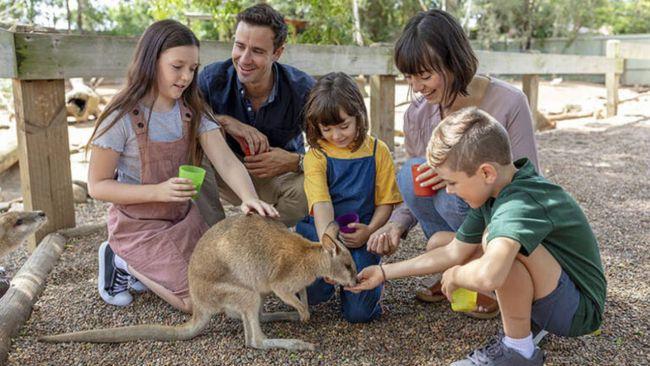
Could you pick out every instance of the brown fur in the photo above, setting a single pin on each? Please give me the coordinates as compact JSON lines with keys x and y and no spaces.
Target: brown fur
{"x":236,"y":263}
{"x":16,"y":226}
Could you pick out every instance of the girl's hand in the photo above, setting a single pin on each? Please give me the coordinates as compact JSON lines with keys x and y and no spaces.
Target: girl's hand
{"x":259,"y":206}
{"x":367,"y":279}
{"x":174,"y":190}
{"x":447,"y":282}
{"x":358,"y":238}
{"x":385,"y":240}
{"x":429,"y":178}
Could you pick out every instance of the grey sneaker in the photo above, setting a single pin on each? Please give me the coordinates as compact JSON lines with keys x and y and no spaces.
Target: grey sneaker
{"x":496,"y":353}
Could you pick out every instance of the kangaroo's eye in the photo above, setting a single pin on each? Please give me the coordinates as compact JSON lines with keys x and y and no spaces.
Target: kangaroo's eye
{"x":18,"y":222}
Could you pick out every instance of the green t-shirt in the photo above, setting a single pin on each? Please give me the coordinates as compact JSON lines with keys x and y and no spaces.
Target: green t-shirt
{"x":533,"y":211}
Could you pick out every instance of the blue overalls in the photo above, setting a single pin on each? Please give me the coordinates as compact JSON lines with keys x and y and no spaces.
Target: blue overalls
{"x":351,"y":185}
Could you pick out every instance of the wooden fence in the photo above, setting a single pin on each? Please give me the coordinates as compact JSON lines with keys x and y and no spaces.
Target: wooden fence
{"x":38,"y":63}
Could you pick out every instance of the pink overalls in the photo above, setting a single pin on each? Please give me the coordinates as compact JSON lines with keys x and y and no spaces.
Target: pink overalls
{"x":157,"y":238}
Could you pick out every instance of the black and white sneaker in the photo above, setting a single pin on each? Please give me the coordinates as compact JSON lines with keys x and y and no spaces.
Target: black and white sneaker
{"x":112,"y":282}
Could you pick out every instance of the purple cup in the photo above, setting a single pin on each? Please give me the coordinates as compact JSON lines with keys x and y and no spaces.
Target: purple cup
{"x":346,"y":219}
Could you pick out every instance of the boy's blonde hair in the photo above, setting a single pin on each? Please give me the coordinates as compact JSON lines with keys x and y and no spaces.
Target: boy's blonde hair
{"x":466,"y":139}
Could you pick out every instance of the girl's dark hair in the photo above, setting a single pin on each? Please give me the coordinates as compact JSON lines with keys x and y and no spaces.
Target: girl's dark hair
{"x":264,"y":15}
{"x":332,"y":93}
{"x":141,"y":80}
{"x":433,"y":41}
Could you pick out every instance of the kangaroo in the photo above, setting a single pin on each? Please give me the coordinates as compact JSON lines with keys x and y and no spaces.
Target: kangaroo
{"x":234,"y":264}
{"x":16,"y":226}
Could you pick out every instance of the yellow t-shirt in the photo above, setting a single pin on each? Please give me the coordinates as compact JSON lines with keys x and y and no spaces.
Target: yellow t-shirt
{"x":315,"y":165}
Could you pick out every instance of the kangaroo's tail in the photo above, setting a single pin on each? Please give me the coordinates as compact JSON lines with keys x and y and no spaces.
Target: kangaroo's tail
{"x":137,"y":332}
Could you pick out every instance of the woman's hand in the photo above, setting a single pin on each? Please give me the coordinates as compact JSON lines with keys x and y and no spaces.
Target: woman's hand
{"x":358,"y":238}
{"x":262,"y":208}
{"x":174,"y":190}
{"x":385,"y":240}
{"x":429,"y":178}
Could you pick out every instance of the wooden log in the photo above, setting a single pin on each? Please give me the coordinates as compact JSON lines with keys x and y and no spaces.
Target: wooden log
{"x":43,"y":153}
{"x":530,"y":87}
{"x":68,"y":56}
{"x":82,"y":230}
{"x":612,"y":77}
{"x":26,"y":287}
{"x":8,"y":155}
{"x":382,"y":108}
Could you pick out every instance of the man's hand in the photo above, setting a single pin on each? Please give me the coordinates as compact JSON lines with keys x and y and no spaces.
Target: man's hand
{"x":257,"y":141}
{"x":272,"y":163}
{"x":368,"y":279}
{"x":385,"y":240}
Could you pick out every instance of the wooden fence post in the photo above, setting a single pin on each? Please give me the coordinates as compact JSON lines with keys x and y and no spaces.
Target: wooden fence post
{"x":530,"y":87}
{"x":43,"y":152}
{"x":612,"y":77}
{"x":382,"y":108}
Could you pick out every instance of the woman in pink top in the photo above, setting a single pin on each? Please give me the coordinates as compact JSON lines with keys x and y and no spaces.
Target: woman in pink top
{"x":437,"y":60}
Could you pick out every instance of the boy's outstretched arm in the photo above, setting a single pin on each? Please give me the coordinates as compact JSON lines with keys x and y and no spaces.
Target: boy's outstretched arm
{"x":434,"y":261}
{"x":486,"y":273}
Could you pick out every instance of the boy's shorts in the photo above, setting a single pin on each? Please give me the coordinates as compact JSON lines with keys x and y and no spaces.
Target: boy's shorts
{"x":554,"y":312}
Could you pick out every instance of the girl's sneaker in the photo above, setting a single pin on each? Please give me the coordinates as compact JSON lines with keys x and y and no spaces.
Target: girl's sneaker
{"x":112,"y":282}
{"x":136,"y":285}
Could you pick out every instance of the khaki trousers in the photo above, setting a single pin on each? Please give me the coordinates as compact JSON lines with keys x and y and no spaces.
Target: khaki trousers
{"x":285,"y":192}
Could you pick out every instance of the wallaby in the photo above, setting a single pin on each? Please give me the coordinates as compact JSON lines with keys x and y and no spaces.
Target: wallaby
{"x":16,"y":226}
{"x":235,"y":263}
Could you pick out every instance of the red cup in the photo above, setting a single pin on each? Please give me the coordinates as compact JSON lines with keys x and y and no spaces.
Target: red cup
{"x":417,"y":189}
{"x":244,"y":147}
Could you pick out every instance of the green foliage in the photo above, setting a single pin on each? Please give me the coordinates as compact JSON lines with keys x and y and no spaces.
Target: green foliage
{"x":332,"y":21}
{"x":626,"y":16}
{"x":540,"y":19}
{"x":130,"y":18}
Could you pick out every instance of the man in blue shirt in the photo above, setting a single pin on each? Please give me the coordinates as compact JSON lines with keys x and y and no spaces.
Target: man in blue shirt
{"x":259,"y":103}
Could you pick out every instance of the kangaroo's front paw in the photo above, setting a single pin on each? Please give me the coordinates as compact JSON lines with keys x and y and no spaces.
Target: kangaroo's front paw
{"x":304,"y":316}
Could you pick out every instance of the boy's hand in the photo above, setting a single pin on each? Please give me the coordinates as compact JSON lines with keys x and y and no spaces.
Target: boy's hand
{"x":174,"y":190}
{"x":358,"y":238}
{"x":448,"y":282}
{"x":429,"y":178}
{"x":367,"y":279}
{"x":385,"y":240}
{"x":259,"y":206}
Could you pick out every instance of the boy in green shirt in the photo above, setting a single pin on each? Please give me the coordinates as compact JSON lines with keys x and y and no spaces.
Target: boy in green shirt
{"x":537,"y":252}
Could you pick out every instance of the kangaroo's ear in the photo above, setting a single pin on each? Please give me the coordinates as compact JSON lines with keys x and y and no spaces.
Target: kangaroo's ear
{"x":332,"y":229}
{"x":330,"y":245}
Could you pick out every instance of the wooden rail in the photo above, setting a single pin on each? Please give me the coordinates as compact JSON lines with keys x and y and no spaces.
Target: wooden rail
{"x":39,"y":63}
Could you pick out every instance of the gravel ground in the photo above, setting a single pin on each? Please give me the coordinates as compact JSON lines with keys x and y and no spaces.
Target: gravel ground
{"x":606,"y":170}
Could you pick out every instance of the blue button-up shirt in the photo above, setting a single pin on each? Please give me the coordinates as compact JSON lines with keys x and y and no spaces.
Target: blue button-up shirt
{"x":280,"y":118}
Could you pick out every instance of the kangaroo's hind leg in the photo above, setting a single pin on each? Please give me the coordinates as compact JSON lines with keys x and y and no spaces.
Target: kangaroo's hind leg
{"x":256,"y":338}
{"x":289,"y":298}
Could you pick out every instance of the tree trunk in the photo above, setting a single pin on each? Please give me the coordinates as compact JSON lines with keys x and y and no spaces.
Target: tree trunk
{"x":80,"y":9}
{"x":358,"y":39}
{"x":68,"y":14}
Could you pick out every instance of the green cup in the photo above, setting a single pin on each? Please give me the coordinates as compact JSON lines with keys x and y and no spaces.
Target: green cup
{"x":463,"y":300}
{"x":195,"y":174}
